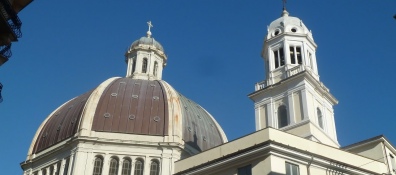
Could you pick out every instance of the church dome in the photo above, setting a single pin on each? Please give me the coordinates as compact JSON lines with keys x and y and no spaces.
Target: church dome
{"x":147,"y":41}
{"x":288,"y":25}
{"x":126,"y":107}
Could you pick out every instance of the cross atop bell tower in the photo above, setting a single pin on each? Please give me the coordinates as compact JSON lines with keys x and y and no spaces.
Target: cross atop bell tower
{"x":284,"y":4}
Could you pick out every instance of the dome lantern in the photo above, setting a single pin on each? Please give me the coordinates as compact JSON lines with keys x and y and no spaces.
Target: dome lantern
{"x":145,"y":58}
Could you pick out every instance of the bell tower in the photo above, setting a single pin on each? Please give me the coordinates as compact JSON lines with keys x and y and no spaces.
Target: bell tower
{"x":292,"y":98}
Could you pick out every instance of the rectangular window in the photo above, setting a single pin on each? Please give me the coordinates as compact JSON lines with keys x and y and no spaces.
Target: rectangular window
{"x":279,"y":58}
{"x":299,"y":58}
{"x":292,"y":169}
{"x":295,"y":55}
{"x":246,"y":170}
{"x":282,"y":57}
{"x":276,"y":59}
{"x":293,"y":61}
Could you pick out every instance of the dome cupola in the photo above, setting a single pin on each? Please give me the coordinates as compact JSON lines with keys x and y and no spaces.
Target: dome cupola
{"x":288,"y":48}
{"x":145,"y":58}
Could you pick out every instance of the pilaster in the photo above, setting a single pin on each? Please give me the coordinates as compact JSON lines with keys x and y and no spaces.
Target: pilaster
{"x":290,"y":102}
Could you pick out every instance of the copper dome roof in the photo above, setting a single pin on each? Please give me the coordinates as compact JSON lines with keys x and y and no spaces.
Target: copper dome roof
{"x":131,"y":106}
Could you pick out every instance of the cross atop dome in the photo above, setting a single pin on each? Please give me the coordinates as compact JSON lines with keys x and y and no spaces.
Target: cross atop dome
{"x":149,"y":29}
{"x":145,"y":58}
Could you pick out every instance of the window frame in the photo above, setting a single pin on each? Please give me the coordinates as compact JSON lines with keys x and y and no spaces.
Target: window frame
{"x":113,"y":170}
{"x":283,"y":117}
{"x":157,"y":170}
{"x":245,"y":170}
{"x":279,"y":57}
{"x":295,"y":59}
{"x":126,"y":170}
{"x":155,"y":71}
{"x":289,"y":168}
{"x":141,"y":168}
{"x":144,"y":65}
{"x":99,"y":168}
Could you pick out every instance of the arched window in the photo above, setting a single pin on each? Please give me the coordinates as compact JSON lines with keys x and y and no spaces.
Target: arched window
{"x":154,"y":167}
{"x":51,"y":170}
{"x":155,"y":68}
{"x":320,"y":117}
{"x":282,"y":116}
{"x":139,"y":167}
{"x":44,"y":172}
{"x":144,"y":65}
{"x":98,"y":165}
{"x":126,"y":167}
{"x":113,"y":169}
{"x":133,"y":65}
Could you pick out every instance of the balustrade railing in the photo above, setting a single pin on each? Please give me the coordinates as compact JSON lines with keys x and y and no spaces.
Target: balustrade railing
{"x":286,"y":73}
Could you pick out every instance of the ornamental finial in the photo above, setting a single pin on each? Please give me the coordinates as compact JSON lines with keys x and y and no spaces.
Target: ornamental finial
{"x":284,"y":4}
{"x":149,"y":29}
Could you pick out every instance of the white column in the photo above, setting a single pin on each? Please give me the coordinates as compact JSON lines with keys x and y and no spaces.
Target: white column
{"x":304,"y":104}
{"x":48,"y":170}
{"x":55,"y":168}
{"x":62,"y":167}
{"x":270,"y":114}
{"x":133,"y":161}
{"x":106,"y":164}
{"x":71,"y":160}
{"x":257,"y":118}
{"x":290,"y":102}
{"x":120,"y":166}
{"x":146,"y":166}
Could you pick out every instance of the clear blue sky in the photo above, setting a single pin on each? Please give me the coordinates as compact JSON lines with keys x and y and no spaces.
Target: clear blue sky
{"x":213,"y":50}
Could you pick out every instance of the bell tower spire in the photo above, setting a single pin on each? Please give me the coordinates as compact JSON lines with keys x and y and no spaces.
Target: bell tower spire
{"x":145,"y":58}
{"x":292,"y":98}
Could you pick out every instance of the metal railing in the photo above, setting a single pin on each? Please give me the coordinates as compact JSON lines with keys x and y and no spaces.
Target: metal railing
{"x":5,"y":51}
{"x":11,"y":16}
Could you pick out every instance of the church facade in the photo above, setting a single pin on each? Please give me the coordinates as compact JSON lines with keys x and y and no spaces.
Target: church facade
{"x":140,"y":125}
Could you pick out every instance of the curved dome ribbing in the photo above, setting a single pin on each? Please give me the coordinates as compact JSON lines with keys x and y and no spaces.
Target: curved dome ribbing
{"x":132,"y":106}
{"x":62,"y":123}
